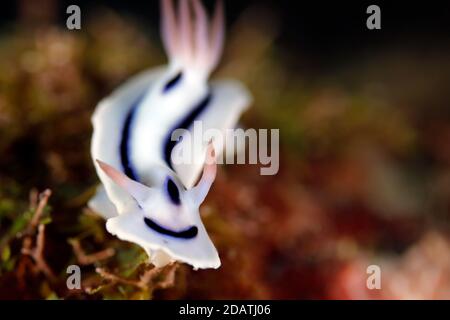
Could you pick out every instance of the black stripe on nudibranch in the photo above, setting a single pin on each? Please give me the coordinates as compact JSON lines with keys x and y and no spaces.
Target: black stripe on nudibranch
{"x":184,"y":124}
{"x":125,"y":142}
{"x":173,"y":82}
{"x":189,"y":233}
{"x":173,"y":192}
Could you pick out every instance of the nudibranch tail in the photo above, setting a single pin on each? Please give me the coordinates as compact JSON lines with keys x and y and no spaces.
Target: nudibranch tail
{"x":168,"y":27}
{"x":192,"y":43}
{"x":217,"y":35}
{"x":185,"y":31}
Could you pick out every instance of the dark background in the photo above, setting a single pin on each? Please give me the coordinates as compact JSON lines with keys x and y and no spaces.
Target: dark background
{"x":320,"y":29}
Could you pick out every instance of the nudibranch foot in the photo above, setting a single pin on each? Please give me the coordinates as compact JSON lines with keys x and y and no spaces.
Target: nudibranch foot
{"x":199,"y":252}
{"x":101,"y":204}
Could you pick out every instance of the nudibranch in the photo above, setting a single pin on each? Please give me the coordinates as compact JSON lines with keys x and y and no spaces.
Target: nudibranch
{"x":145,"y":197}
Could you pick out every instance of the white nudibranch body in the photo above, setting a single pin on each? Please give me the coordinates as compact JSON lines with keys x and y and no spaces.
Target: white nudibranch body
{"x":147,"y":199}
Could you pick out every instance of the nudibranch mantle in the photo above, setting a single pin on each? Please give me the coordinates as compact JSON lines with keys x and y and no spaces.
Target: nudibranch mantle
{"x":145,"y":198}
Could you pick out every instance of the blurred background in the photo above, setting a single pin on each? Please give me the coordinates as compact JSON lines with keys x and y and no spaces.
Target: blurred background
{"x":364,"y":150}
